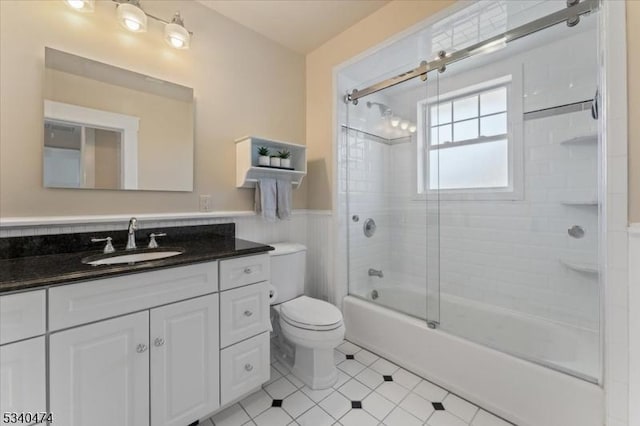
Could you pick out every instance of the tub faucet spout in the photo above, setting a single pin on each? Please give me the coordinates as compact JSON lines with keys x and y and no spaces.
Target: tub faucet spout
{"x":375,"y":273}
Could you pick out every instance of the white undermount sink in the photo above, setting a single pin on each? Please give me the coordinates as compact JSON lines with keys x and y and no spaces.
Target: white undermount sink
{"x":132,"y":257}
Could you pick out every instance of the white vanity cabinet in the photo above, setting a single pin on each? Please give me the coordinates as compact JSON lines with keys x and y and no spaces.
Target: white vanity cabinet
{"x":107,"y":373}
{"x":22,"y":356}
{"x":159,"y":348}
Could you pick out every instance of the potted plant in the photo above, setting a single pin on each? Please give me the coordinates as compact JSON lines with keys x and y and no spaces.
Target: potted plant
{"x":285,"y":158}
{"x":275,"y":161}
{"x":263,"y":156}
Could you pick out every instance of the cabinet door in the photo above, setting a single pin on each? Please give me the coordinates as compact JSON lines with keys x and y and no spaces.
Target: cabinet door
{"x":22,"y":377}
{"x":99,"y":373}
{"x":184,"y":361}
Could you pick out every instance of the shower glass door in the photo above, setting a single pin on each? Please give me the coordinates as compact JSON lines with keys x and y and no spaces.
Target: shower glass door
{"x":393,"y":251}
{"x":473,"y":199}
{"x":512,"y":154}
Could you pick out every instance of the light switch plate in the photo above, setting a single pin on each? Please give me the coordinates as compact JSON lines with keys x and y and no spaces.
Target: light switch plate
{"x":205,"y":203}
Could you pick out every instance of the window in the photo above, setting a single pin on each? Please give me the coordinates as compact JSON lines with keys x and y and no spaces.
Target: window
{"x":468,"y":147}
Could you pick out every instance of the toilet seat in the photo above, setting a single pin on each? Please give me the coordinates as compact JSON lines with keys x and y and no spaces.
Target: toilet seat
{"x":311,"y":314}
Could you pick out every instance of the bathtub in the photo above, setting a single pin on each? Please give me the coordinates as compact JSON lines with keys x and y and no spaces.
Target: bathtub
{"x":523,"y":392}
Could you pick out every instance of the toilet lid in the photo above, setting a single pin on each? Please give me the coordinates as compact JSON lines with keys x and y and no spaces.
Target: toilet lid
{"x":309,"y":313}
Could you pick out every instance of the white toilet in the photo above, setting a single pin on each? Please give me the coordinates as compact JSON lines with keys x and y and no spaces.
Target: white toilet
{"x":313,"y":327}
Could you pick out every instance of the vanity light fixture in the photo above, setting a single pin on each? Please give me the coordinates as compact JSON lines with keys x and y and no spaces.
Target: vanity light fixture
{"x":81,"y":5}
{"x":412,"y":128}
{"x":395,"y":121}
{"x":131,"y":16}
{"x":404,"y":124}
{"x":176,"y":34}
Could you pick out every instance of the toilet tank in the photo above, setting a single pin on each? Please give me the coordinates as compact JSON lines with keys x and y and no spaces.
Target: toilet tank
{"x":288,"y":266}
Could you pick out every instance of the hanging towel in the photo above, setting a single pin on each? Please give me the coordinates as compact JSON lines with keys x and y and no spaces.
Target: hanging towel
{"x":284,"y":198}
{"x":266,"y":198}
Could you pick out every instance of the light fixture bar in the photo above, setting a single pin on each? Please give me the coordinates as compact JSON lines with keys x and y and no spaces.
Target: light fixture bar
{"x":568,"y":15}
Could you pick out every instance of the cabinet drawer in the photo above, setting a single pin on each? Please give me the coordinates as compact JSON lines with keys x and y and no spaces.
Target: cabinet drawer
{"x":22,"y":316}
{"x":244,"y":312}
{"x":243,"y":270}
{"x":75,"y":304}
{"x":244,"y":367}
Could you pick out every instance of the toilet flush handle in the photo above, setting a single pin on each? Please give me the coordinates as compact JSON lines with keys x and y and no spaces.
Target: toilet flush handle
{"x":247,"y":270}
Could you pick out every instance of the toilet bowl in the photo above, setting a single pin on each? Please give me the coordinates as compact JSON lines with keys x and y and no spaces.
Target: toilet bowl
{"x":312,"y":326}
{"x":315,"y":328}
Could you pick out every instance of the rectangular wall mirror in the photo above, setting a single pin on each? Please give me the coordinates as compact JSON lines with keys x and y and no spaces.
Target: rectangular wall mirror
{"x":110,"y":128}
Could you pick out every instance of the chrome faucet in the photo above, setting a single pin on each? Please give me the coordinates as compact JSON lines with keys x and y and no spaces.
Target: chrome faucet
{"x":375,"y":273}
{"x":131,"y":241}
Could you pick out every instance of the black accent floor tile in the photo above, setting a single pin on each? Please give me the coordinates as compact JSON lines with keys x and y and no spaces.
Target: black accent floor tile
{"x":350,"y":357}
{"x":276,"y":403}
{"x":438,"y":406}
{"x":196,"y":423}
{"x":387,"y":378}
{"x":356,"y":404}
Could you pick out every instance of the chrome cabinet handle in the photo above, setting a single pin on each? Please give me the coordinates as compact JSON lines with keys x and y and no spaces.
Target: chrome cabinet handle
{"x":158,"y":341}
{"x":248,"y":367}
{"x":248,"y":313}
{"x":247,"y":270}
{"x":141,"y":348}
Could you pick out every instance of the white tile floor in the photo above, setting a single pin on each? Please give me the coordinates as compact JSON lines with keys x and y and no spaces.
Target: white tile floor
{"x":387,"y":394}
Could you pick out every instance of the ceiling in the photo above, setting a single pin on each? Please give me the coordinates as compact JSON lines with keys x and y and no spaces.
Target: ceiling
{"x":300,"y":25}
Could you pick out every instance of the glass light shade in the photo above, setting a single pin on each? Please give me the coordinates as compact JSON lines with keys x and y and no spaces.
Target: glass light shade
{"x":132,"y":18}
{"x":404,"y":125}
{"x":395,"y":121}
{"x":177,"y":36}
{"x":412,"y":128}
{"x":81,"y":5}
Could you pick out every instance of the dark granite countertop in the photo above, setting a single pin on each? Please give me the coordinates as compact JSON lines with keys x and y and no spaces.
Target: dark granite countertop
{"x":28,"y":263}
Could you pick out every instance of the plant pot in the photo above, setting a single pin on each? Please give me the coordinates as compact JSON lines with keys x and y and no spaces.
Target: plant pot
{"x":275,"y":161}
{"x":285,"y":162}
{"x":263,"y":160}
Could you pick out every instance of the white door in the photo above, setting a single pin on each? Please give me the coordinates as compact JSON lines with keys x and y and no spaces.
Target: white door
{"x":99,"y":373}
{"x":184,"y":361}
{"x":22,"y":378}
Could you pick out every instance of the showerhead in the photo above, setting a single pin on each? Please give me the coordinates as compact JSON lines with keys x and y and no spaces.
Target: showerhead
{"x":384,"y":110}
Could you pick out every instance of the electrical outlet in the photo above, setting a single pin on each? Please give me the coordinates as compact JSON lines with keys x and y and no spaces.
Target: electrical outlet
{"x":205,"y":203}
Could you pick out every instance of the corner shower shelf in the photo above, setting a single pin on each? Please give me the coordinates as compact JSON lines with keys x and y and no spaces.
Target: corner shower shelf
{"x":581,"y":140}
{"x":585,"y":267}
{"x":591,"y":203}
{"x":248,"y":172}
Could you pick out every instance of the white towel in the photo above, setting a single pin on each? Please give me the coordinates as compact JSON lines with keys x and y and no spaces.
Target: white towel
{"x":266,"y":198}
{"x":284,"y":198}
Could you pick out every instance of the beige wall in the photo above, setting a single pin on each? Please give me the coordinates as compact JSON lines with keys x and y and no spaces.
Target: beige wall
{"x":633,"y":72}
{"x":389,"y":20}
{"x":243,"y":84}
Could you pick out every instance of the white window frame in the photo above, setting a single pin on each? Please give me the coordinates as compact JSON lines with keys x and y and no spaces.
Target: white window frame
{"x":127,"y":125}
{"x":468,"y":83}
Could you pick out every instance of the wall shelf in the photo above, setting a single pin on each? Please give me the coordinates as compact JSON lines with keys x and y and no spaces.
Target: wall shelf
{"x":578,"y":203}
{"x":248,"y":172}
{"x":581,"y":140}
{"x":585,"y":267}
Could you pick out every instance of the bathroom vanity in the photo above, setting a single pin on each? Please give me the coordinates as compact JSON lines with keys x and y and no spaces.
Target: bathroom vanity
{"x":163,"y":342}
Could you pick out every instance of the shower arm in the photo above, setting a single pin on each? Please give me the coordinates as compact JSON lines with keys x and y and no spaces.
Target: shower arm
{"x":569,"y":15}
